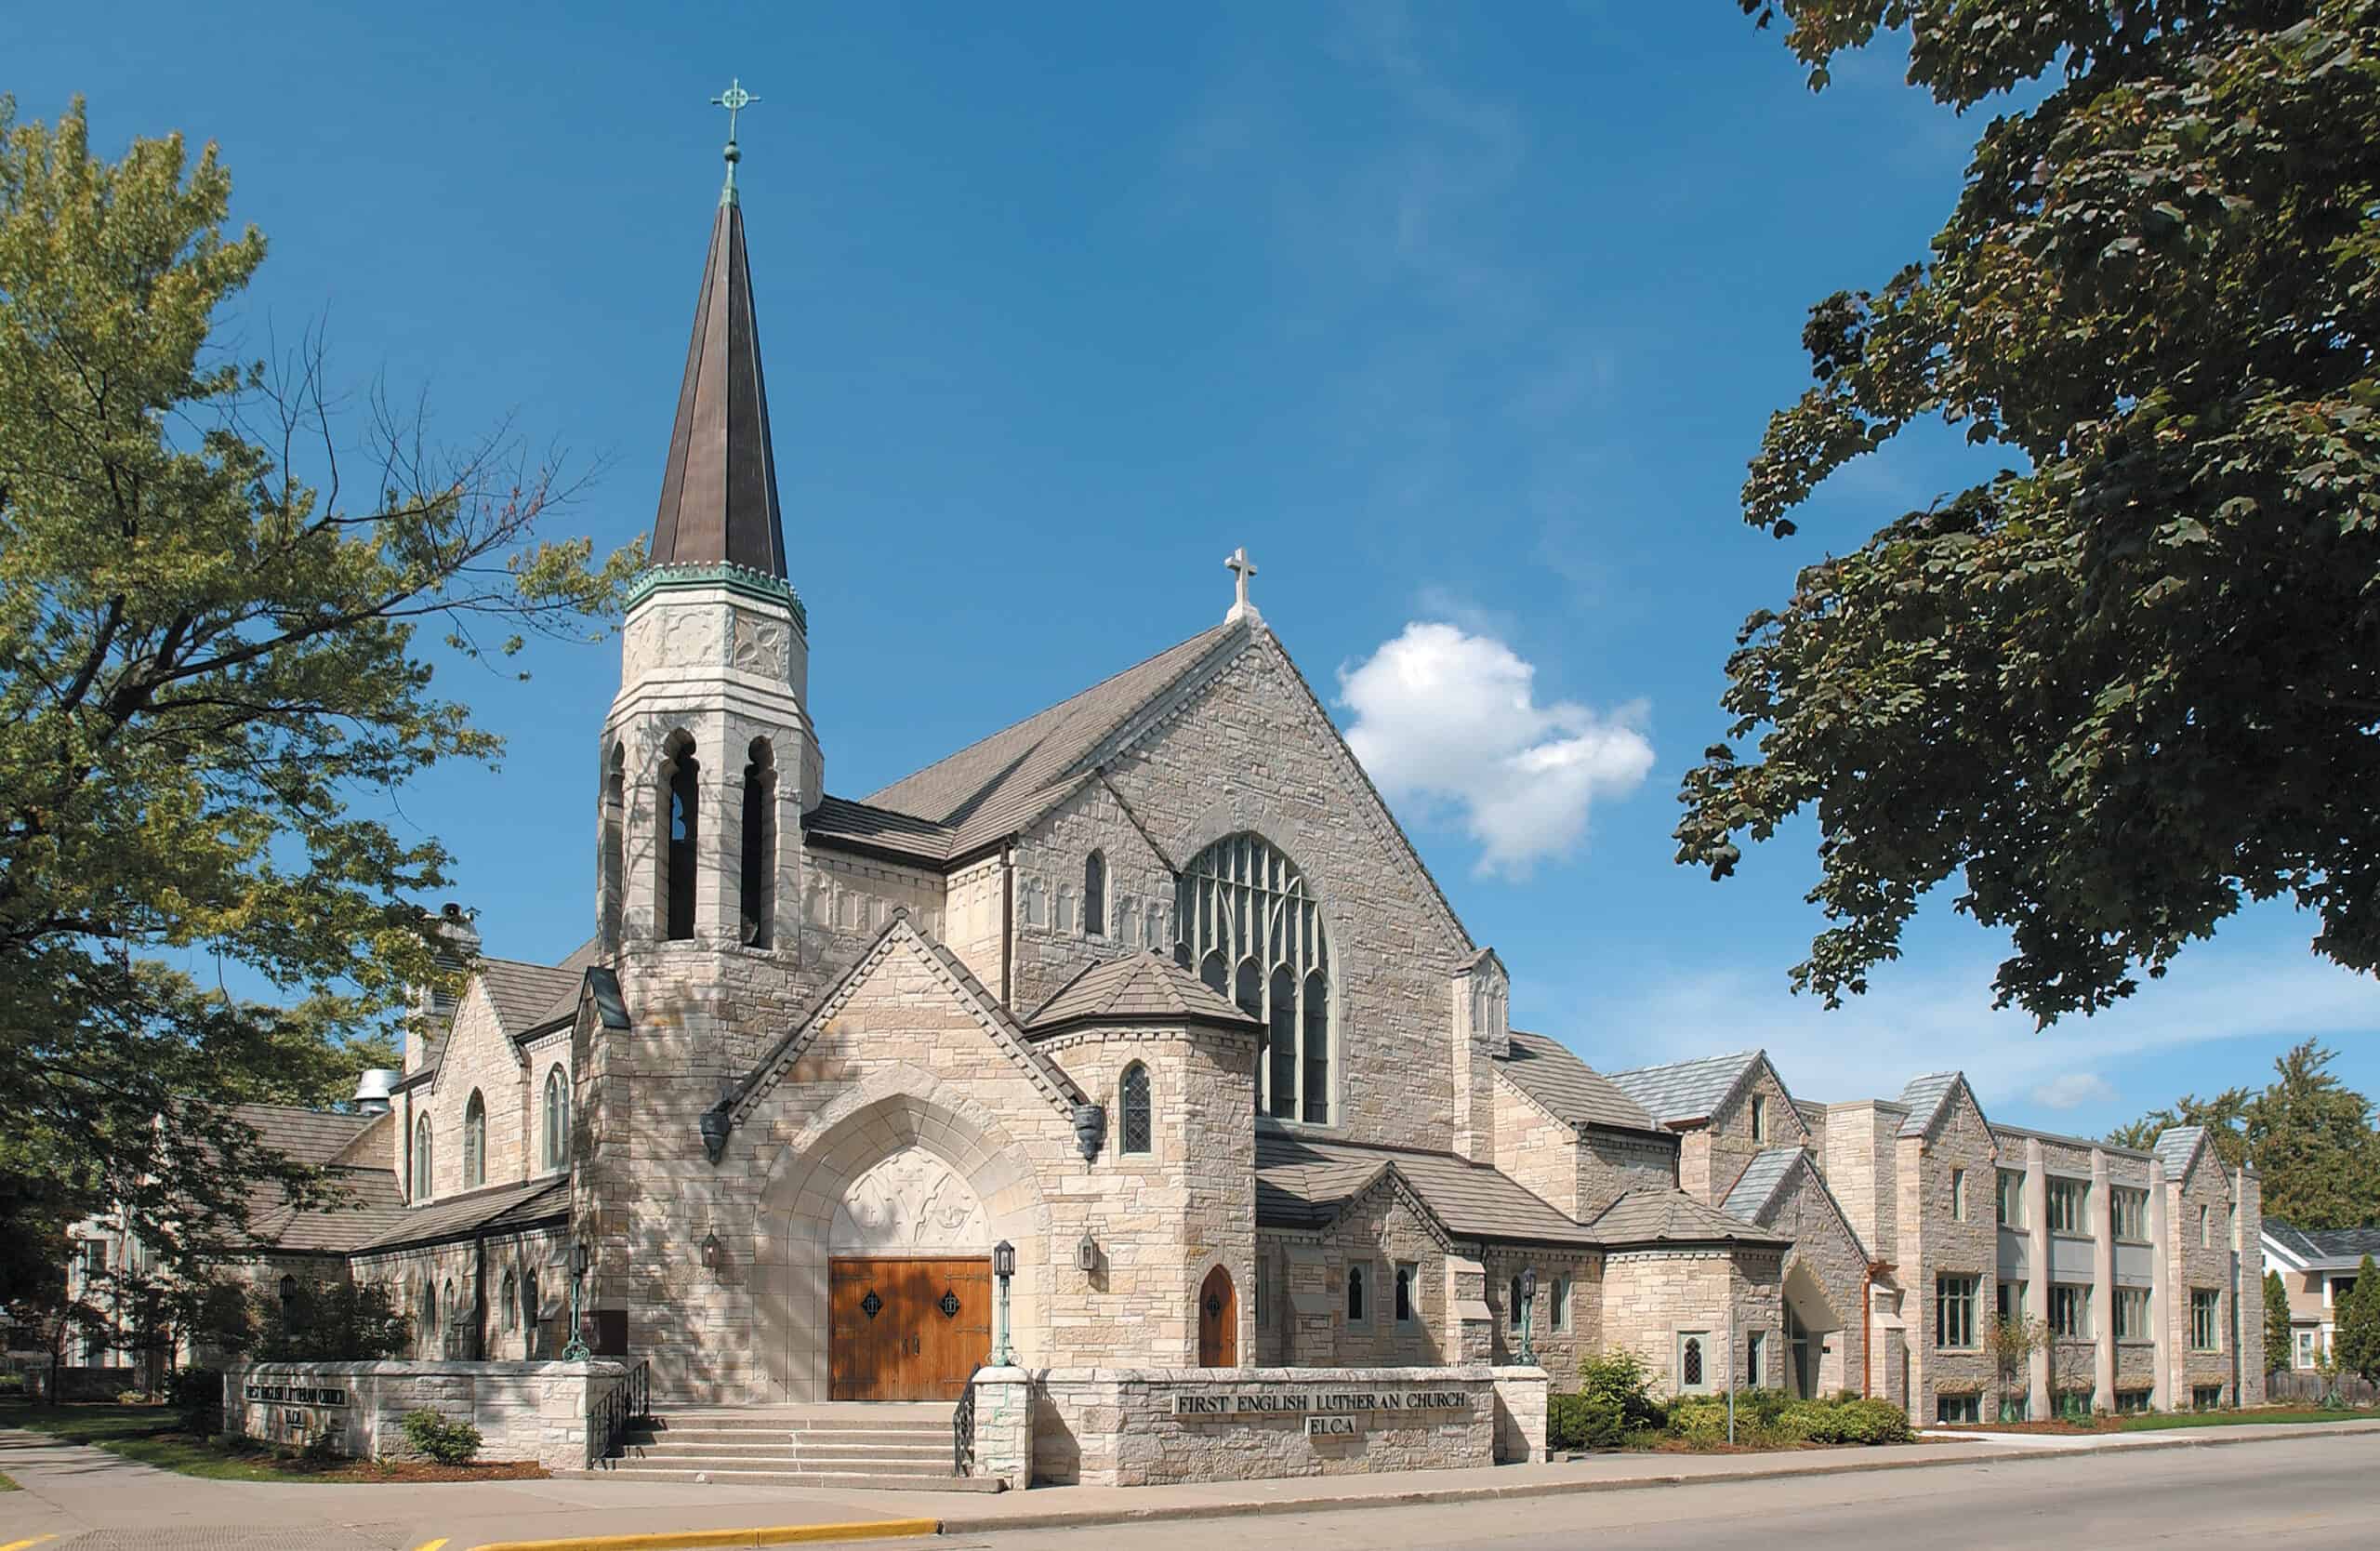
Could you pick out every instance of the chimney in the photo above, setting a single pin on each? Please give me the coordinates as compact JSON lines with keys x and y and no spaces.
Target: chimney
{"x":372,"y":1092}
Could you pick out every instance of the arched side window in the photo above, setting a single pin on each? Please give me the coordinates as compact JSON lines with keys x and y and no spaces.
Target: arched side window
{"x":1513,"y":1305}
{"x":616,"y":842}
{"x":1690,"y":1363}
{"x":1095,"y":895}
{"x":1137,"y":1120}
{"x":681,"y":798}
{"x":557,"y":1118}
{"x":759,"y":872}
{"x":422,"y":1174}
{"x":508,"y":1308}
{"x":1241,"y":902}
{"x":429,"y":1321}
{"x":475,"y":1142}
{"x":1355,"y":1314}
{"x":529,"y":1312}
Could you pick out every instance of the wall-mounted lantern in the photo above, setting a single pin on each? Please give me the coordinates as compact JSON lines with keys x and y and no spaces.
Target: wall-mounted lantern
{"x":710,"y":1251}
{"x":1087,"y":1253}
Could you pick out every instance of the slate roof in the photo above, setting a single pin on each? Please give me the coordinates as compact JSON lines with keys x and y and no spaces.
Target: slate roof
{"x":309,"y":1136}
{"x":1923,"y":1098}
{"x":999,"y":783}
{"x":1302,"y":1183}
{"x":1762,"y":1178}
{"x":1549,"y":1072}
{"x":1664,"y":1214}
{"x":575,"y":964}
{"x":1139,"y":988}
{"x":498,"y":1206}
{"x":1684,"y":1091}
{"x":377,"y":1208}
{"x":2328,"y":1248}
{"x":2173,"y":1146}
{"x":525,"y":994}
{"x":840,"y":821}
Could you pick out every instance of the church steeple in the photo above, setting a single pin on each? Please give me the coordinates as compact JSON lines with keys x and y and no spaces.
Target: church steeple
{"x":718,"y":494}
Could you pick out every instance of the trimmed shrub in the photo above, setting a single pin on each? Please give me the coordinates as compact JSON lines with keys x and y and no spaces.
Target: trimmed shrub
{"x":1868,"y":1421}
{"x":447,"y":1442}
{"x":1622,"y":1381}
{"x":196,"y":1394}
{"x":1583,"y":1422}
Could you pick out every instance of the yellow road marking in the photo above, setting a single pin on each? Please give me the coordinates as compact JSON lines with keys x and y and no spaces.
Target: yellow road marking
{"x":425,"y":1545}
{"x":677,"y":1540}
{"x":21,"y":1544}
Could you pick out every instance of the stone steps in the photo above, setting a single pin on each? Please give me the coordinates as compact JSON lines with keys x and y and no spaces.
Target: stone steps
{"x":883,"y":1447}
{"x":844,"y":1480}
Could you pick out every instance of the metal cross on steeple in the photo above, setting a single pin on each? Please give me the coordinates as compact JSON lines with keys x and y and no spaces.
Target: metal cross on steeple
{"x":735,"y":100}
{"x":1241,"y":568}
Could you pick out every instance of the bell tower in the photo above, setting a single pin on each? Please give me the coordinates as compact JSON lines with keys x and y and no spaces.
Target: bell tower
{"x":708,"y":757}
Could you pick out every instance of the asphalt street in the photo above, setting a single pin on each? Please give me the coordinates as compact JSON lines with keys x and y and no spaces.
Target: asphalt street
{"x":2309,"y":1496}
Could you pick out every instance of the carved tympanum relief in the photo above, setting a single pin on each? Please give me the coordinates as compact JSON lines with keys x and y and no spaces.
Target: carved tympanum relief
{"x":910,"y":1202}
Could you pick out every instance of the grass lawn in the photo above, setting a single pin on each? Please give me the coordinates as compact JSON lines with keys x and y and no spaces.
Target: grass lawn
{"x":153,"y":1436}
{"x":7,"y":1485}
{"x":2158,"y":1421}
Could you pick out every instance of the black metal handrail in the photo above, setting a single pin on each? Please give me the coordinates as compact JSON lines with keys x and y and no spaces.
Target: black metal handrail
{"x":627,"y":1402}
{"x":962,"y":1428}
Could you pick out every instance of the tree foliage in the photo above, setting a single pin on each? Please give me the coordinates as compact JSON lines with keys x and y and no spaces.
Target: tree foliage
{"x":212,"y":680}
{"x":2309,"y":1134}
{"x":2134,"y":680}
{"x":2358,"y":1340}
{"x":334,"y":1320}
{"x":2277,"y":1352}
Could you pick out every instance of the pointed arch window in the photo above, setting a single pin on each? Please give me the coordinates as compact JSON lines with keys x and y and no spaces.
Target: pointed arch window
{"x":1137,"y":1121}
{"x":475,"y":1142}
{"x":1095,"y":895}
{"x":422,"y":1174}
{"x":506,"y":1309}
{"x":1356,"y":1314}
{"x":760,"y":869}
{"x":680,"y":797}
{"x":557,"y":1118}
{"x":616,"y":841}
{"x":1242,"y":903}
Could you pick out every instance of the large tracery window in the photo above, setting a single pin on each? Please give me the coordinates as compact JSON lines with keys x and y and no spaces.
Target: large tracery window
{"x":1247,"y":923}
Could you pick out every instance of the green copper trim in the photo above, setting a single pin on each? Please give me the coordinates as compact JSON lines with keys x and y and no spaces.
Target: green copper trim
{"x":735,"y":100}
{"x":726,"y":574}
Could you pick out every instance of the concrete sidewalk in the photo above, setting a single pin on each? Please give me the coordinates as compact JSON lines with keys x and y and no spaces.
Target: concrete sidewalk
{"x":71,"y":1490}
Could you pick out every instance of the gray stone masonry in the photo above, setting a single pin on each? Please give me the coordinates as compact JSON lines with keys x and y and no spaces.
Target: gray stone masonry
{"x":524,"y":1410}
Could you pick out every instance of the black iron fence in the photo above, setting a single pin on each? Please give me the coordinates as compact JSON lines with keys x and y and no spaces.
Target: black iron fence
{"x":962,"y":1429}
{"x":627,"y":1403}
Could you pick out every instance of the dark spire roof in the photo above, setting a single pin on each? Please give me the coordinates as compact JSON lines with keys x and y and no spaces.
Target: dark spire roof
{"x":719,"y":496}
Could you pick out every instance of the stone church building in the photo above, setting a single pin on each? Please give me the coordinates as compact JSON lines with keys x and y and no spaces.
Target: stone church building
{"x":1153,"y":987}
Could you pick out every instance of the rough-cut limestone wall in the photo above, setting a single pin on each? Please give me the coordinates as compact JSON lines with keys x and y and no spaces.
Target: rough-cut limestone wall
{"x":1117,"y":1428}
{"x":1251,"y":752}
{"x":1612,"y":1164}
{"x":1054,"y":941}
{"x":1823,"y":1245}
{"x":2201,"y":1266}
{"x":847,"y":899}
{"x":1729,"y":1135}
{"x":543,"y":1251}
{"x":973,"y":925}
{"x":1536,"y":1149}
{"x":542,"y":1056}
{"x":524,"y":1410}
{"x":478,"y":1057}
{"x":1933,"y":1245}
{"x":1650,"y":1297}
{"x":1377,"y":1232}
{"x":1557,"y":1351}
{"x":2247,"y":1249}
{"x":1861,"y":1168}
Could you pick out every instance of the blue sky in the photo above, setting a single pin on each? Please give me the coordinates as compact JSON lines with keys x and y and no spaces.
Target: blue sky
{"x":1464,"y":320}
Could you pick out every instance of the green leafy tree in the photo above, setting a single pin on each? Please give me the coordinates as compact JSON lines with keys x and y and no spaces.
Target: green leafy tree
{"x":213,"y":678}
{"x":2311,"y":1136}
{"x":329,"y":1322}
{"x":2129,"y":682}
{"x":2278,"y":1353}
{"x":2359,"y":1325}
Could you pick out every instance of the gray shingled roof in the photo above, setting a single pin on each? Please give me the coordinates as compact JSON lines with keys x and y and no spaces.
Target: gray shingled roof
{"x":1664,"y":1214}
{"x":1139,"y":988}
{"x":1549,"y":1072}
{"x":1302,"y":1182}
{"x":2329,"y":1249}
{"x":376,"y":1209}
{"x":1685,"y":1089}
{"x":837,"y":820}
{"x":1001,"y":784}
{"x":309,"y":1136}
{"x":522,"y":992}
{"x":495,"y":1207}
{"x":574,"y":964}
{"x":2173,"y":1146}
{"x":1762,"y":1178}
{"x":1923,"y":1098}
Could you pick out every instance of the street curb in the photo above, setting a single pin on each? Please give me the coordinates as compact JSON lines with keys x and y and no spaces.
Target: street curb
{"x":684,"y":1539}
{"x":1068,"y":1518}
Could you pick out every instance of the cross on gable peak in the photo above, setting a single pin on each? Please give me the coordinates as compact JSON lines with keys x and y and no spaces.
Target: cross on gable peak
{"x":1241,"y":568}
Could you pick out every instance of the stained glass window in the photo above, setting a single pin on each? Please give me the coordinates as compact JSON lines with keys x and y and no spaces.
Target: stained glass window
{"x":1243,"y":914}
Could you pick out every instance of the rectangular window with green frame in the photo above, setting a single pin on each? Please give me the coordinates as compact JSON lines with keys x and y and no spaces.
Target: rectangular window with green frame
{"x":2131,"y":1211}
{"x":2131,"y":1314}
{"x":2011,"y":1198}
{"x":2206,"y":1329}
{"x":1955,"y":1312}
{"x":2069,"y":1311}
{"x":2070,"y":1206}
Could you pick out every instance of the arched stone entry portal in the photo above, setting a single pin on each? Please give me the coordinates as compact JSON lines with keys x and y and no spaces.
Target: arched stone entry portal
{"x":1218,"y":1321}
{"x":1809,"y":1318}
{"x":898,"y":1187}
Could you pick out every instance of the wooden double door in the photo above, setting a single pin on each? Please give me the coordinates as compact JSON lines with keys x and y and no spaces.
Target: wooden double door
{"x":905,"y":1330}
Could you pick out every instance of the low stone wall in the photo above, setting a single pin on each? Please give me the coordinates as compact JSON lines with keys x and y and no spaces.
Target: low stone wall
{"x":524,"y":1410}
{"x":1104,"y":1426}
{"x":80,"y":1384}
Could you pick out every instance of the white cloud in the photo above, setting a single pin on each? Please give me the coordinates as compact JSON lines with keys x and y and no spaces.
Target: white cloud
{"x":1446,"y":716}
{"x":2073,"y":1090}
